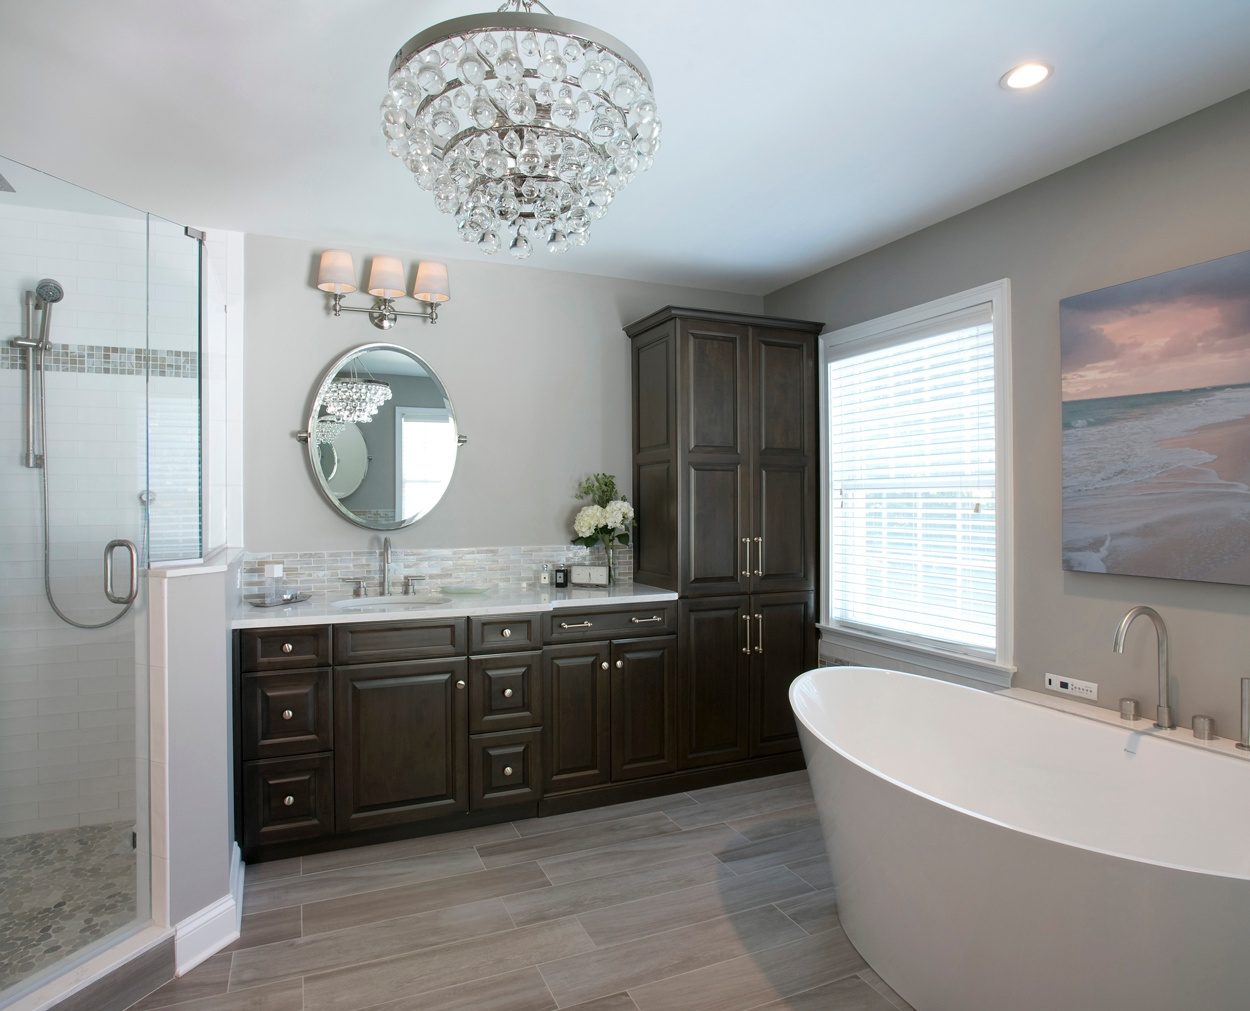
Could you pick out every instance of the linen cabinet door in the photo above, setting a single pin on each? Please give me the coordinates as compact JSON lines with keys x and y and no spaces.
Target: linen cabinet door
{"x":783,"y":461}
{"x":576,"y":687}
{"x":401,"y":742}
{"x":716,"y":498}
{"x":783,"y":646}
{"x":713,"y":679}
{"x":644,"y":707}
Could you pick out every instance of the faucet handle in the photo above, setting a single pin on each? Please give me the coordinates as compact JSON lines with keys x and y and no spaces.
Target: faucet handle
{"x":408,"y":581}
{"x":1129,"y":710}
{"x":359,"y":589}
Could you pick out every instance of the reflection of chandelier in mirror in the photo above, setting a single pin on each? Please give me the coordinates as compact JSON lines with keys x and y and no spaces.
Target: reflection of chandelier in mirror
{"x":328,"y":430}
{"x":524,"y":125}
{"x":355,"y":400}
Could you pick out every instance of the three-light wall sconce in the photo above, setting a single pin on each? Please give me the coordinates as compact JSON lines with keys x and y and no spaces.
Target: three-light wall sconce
{"x":337,"y":276}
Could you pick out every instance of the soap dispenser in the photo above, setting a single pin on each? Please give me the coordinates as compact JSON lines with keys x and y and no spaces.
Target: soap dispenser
{"x":274,"y":590}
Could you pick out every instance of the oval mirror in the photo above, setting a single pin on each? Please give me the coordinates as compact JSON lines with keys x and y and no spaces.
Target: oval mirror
{"x":381,"y":437}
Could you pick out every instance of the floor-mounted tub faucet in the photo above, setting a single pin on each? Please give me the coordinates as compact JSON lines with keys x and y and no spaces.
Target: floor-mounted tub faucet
{"x":1163,"y":712}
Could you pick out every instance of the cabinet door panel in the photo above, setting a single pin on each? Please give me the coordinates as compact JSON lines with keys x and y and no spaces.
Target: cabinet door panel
{"x":713,"y":682}
{"x":401,"y":739}
{"x":576,"y":742}
{"x":716,"y":522}
{"x":644,"y":707}
{"x":784,"y":556}
{"x":782,"y":366}
{"x":716,"y":370}
{"x":783,"y":646}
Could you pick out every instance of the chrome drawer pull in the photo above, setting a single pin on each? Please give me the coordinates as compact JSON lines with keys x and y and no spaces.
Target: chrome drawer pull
{"x":646,"y":621}
{"x":620,"y":664}
{"x":287,"y":647}
{"x":759,"y":555}
{"x":506,"y":633}
{"x":747,"y":542}
{"x":507,"y":770}
{"x":460,"y":685}
{"x":580,"y":624}
{"x":507,"y":693}
{"x":288,"y":800}
{"x":604,"y":665}
{"x":288,"y":714}
{"x":747,"y":647}
{"x":759,"y":645}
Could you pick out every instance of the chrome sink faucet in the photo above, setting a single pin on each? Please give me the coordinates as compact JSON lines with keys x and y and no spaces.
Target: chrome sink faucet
{"x":1163,"y":713}
{"x":386,"y":566}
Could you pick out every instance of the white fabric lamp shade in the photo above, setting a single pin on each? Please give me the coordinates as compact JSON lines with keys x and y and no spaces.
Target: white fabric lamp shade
{"x":337,"y":273}
{"x":386,"y":277}
{"x":432,"y":284}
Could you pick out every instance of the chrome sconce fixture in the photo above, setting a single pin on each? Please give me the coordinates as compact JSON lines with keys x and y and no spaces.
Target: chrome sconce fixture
{"x":337,"y":276}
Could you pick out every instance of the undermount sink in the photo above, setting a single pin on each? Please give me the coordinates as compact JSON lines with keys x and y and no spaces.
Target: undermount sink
{"x":394,"y":600}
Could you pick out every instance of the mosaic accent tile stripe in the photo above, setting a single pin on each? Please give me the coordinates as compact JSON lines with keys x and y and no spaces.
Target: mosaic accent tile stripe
{"x":323,"y":571}
{"x":112,"y":361}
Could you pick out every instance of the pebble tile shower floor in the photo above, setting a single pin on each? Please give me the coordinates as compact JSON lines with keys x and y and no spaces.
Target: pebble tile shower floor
{"x":713,"y":900}
{"x":62,"y":890}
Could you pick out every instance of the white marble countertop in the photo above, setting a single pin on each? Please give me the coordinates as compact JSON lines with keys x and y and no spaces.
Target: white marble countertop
{"x":320,"y":609}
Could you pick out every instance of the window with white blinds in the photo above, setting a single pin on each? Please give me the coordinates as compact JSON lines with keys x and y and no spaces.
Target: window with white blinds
{"x":913,"y":451}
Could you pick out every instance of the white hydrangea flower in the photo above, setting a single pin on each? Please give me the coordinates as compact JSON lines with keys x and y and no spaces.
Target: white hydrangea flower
{"x":619,"y":514}
{"x":589,"y":519}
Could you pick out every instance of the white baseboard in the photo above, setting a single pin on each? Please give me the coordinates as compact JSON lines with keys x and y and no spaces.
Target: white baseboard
{"x":205,"y":933}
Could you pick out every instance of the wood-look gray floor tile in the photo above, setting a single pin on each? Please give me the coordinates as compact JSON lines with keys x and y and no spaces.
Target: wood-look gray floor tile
{"x":575,"y":840}
{"x":388,"y":903}
{"x":340,"y":948}
{"x":208,"y":979}
{"x":270,"y":870}
{"x":711,"y":793}
{"x":522,"y":990}
{"x":750,"y":980}
{"x":335,"y":859}
{"x":606,"y":971}
{"x":363,"y":878}
{"x":691,"y":905}
{"x":715,"y":839}
{"x":610,"y":889}
{"x":815,"y":871}
{"x":850,"y":994}
{"x":595,"y":815}
{"x":782,"y":849}
{"x":267,"y":927}
{"x":882,"y":987}
{"x":285,"y":996}
{"x":616,"y":1002}
{"x":389,"y":979}
{"x":814,"y":913}
{"x":773,"y":823}
{"x":746,"y":805}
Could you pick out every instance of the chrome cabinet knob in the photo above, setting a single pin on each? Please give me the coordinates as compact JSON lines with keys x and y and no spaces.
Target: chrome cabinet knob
{"x":507,"y":693}
{"x":287,"y":647}
{"x":507,"y":770}
{"x":620,"y":664}
{"x":506,"y":633}
{"x":460,"y":685}
{"x":288,"y":714}
{"x":604,"y":665}
{"x":288,"y":801}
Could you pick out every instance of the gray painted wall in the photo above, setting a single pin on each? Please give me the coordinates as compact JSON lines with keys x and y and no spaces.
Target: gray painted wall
{"x":1174,"y":197}
{"x":534,"y":361}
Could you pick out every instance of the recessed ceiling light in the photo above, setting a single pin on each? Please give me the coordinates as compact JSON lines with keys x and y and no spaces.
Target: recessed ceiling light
{"x":1025,"y":75}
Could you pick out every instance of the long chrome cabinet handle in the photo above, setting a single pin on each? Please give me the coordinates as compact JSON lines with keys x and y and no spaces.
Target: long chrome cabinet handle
{"x":133,"y":589}
{"x":759,"y":556}
{"x":646,"y":621}
{"x":747,"y":647}
{"x":759,"y":630}
{"x":747,"y":542}
{"x":580,"y":624}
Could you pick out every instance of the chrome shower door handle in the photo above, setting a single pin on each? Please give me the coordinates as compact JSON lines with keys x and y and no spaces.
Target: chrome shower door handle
{"x":133,"y":590}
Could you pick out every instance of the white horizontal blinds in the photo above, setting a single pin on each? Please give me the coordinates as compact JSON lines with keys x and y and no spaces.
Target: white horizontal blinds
{"x":912,"y":536}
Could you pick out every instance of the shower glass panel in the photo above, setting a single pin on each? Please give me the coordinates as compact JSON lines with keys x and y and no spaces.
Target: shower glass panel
{"x":117,"y":382}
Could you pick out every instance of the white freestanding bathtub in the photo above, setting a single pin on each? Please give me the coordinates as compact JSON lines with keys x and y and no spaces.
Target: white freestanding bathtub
{"x":990,"y":854}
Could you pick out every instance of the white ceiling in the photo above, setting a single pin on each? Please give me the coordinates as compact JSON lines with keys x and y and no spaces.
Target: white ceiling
{"x":796,"y":134}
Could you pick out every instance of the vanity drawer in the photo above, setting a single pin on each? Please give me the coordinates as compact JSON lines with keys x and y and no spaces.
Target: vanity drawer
{"x":285,"y":799}
{"x":378,"y":642}
{"x":505,"y":769}
{"x":582,"y":625}
{"x":505,"y":692}
{"x":270,"y":649}
{"x":505,"y":632}
{"x":286,"y":714}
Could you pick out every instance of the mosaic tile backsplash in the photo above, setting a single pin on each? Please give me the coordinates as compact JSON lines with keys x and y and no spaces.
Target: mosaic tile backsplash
{"x":112,"y":361}
{"x":323,"y":571}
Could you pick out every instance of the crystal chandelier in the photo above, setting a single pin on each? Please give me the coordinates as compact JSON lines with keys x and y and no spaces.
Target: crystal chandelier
{"x":328,"y":430}
{"x":524,"y":125}
{"x":355,"y":400}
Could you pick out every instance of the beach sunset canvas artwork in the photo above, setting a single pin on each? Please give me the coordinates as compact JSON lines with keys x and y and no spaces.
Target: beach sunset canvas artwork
{"x":1156,"y":425}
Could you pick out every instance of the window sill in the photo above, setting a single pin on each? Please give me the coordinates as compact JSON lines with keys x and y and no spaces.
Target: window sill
{"x":869,"y":650}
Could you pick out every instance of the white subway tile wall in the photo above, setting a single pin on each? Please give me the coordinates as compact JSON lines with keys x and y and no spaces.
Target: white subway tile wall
{"x":323,"y":571}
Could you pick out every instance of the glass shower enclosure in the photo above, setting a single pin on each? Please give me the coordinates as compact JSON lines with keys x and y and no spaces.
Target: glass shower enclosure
{"x":99,"y":479}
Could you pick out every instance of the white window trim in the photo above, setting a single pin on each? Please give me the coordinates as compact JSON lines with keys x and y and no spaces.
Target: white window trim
{"x":402,"y":413}
{"x":873,"y":333}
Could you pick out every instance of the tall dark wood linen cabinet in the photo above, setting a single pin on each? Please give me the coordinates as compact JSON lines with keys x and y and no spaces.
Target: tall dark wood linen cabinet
{"x":725,"y":468}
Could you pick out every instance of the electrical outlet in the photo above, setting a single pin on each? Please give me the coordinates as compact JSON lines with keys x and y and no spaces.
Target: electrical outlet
{"x":1071,"y":686}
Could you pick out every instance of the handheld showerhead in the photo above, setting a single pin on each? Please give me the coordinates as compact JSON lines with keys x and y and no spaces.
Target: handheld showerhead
{"x":47,"y":293}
